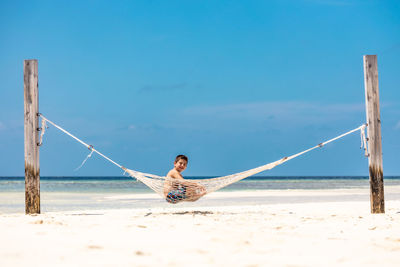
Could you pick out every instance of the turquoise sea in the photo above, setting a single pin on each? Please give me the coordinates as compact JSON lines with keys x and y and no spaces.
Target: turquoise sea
{"x":81,"y":193}
{"x":130,"y":185}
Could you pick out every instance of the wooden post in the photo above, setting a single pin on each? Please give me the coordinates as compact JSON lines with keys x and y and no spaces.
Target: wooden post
{"x":31,"y":133}
{"x":374,"y":134}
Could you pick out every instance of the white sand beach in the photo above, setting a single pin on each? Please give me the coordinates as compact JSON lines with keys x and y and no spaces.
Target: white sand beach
{"x":326,"y":233}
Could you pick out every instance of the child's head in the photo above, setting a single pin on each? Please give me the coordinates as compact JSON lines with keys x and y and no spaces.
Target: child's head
{"x":180,"y":163}
{"x":181,"y":157}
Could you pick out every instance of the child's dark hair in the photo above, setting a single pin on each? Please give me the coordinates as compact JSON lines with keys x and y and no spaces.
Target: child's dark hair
{"x":181,"y":157}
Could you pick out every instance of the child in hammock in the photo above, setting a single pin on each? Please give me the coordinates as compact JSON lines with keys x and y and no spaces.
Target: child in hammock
{"x":176,"y":188}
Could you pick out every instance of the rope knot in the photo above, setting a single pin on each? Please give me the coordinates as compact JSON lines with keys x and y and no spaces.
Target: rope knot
{"x":364,"y":139}
{"x":42,"y":130}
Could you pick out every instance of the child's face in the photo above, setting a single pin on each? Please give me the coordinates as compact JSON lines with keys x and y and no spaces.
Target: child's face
{"x":180,"y":165}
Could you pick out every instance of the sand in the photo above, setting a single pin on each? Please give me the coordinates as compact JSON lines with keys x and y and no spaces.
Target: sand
{"x":327,"y":233}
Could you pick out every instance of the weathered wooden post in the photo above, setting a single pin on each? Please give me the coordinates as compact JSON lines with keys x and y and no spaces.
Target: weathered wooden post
{"x":374,"y":134}
{"x":31,"y":133}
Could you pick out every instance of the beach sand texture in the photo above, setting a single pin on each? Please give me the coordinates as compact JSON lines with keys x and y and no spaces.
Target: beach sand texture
{"x":281,"y":234}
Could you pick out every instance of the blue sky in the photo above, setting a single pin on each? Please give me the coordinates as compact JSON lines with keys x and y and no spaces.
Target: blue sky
{"x":232,"y":84}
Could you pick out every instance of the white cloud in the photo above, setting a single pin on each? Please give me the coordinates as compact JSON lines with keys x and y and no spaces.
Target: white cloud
{"x":2,"y":126}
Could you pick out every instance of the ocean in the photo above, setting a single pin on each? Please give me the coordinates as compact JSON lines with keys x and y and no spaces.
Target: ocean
{"x":129,"y":185}
{"x":82,"y":193}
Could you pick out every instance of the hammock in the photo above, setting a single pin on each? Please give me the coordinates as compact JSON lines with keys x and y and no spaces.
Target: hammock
{"x":177,"y":190}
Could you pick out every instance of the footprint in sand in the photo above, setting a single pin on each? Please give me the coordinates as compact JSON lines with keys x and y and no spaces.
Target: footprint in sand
{"x":95,"y":247}
{"x":139,"y":253}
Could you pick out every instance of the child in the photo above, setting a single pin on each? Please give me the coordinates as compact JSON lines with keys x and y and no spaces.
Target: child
{"x":176,"y":188}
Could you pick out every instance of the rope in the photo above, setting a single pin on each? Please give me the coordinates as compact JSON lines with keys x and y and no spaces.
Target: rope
{"x":361,"y":128}
{"x":364,"y":140}
{"x":84,"y":161}
{"x":90,"y":147}
{"x":42,"y":131}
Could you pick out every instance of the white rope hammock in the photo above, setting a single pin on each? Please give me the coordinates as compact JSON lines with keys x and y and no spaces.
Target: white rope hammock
{"x":176,"y":190}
